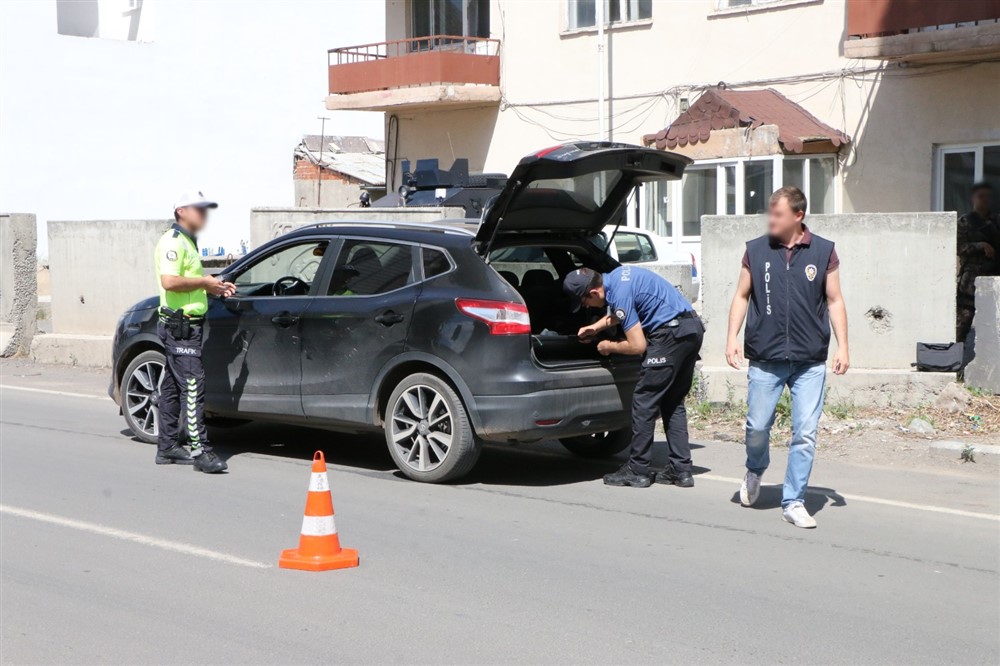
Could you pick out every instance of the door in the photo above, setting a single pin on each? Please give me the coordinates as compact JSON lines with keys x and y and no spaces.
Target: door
{"x":253,"y":348}
{"x":356,"y":326}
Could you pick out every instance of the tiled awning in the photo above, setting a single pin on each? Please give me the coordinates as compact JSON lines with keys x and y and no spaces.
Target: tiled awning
{"x":719,"y":109}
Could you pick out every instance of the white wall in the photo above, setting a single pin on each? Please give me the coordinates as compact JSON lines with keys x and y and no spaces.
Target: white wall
{"x":217,"y":100}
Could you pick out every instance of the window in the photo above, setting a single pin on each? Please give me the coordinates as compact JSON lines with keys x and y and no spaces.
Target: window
{"x":109,"y":19}
{"x":633,"y":248}
{"x":758,"y":184}
{"x":699,"y":196}
{"x":366,"y":268}
{"x":736,"y":4}
{"x":582,"y":14}
{"x":659,"y":209}
{"x":736,"y":187}
{"x":587,"y":191}
{"x":298,"y":263}
{"x":435,"y":262}
{"x":958,"y":167}
{"x":455,"y":18}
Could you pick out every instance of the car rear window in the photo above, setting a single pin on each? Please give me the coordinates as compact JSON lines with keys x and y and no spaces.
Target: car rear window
{"x":435,"y":262}
{"x":587,"y":192}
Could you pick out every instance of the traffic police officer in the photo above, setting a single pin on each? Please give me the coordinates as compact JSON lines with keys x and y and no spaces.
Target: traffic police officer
{"x":183,"y":304}
{"x":661,"y":326}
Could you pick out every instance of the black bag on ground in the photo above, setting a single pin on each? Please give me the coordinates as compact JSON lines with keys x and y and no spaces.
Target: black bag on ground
{"x":939,"y":356}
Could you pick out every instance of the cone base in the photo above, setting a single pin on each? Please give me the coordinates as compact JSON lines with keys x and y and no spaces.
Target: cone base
{"x":291,"y":559}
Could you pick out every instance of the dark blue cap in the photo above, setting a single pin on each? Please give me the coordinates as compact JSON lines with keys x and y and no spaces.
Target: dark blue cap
{"x":577,"y":284}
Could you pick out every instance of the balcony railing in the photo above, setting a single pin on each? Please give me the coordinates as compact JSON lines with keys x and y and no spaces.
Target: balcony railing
{"x":880,"y":18}
{"x":421,"y":61}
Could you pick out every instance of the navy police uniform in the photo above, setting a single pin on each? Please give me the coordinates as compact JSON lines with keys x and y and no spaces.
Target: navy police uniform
{"x":674,"y":333}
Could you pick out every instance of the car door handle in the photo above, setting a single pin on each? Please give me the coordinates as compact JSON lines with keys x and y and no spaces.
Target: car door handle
{"x":389,"y":318}
{"x":284,"y":319}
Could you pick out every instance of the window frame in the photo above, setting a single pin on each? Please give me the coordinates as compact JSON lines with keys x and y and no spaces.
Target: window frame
{"x":722,"y":7}
{"x":416,"y":267}
{"x":675,"y":192}
{"x":321,"y":272}
{"x":940,"y":150}
{"x":570,"y":6}
{"x":432,"y":21}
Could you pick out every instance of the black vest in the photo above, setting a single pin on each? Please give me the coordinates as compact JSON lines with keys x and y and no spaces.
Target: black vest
{"x":788,"y":319}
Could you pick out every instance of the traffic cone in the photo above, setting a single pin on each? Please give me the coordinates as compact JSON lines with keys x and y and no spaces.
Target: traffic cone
{"x":319,"y":547}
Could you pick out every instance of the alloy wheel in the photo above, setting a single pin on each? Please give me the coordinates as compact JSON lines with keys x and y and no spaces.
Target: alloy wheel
{"x":142,"y":394}
{"x":421,"y":428}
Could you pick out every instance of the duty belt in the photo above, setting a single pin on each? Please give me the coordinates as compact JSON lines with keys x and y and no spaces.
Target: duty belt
{"x":676,"y":321}
{"x":167,"y":315}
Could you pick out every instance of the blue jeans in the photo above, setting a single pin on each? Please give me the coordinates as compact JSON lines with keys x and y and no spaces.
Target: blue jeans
{"x":767,"y":379}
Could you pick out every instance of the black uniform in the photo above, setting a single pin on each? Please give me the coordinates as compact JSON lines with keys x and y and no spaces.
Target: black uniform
{"x":674,"y":334}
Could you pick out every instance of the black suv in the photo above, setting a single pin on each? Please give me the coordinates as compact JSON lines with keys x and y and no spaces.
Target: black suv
{"x":442,"y":335}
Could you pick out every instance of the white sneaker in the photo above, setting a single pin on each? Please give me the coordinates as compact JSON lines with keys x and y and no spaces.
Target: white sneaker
{"x":750,"y":490}
{"x":796,"y":514}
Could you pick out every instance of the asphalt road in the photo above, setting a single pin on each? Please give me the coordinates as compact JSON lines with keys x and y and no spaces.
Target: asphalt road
{"x":108,"y":558}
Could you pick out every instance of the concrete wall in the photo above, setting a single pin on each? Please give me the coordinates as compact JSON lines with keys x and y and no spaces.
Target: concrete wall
{"x":984,"y":370}
{"x":18,"y":283}
{"x":268,"y":223}
{"x":99,"y":269}
{"x":897,"y":272}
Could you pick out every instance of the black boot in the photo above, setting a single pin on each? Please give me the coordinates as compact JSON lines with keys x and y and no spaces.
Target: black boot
{"x":209,"y":463}
{"x":175,"y":455}
{"x":670,"y":476}
{"x":626,"y":477}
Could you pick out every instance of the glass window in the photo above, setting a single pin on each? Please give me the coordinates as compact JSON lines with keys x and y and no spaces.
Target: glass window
{"x":365,"y":268}
{"x":959,"y":174}
{"x":298,"y":263}
{"x":646,"y":248}
{"x":583,"y":13}
{"x":659,"y":217}
{"x":758,"y":184}
{"x":792,"y":175}
{"x":455,"y":18}
{"x":435,"y":262}
{"x":991,"y":168}
{"x":698,"y":197}
{"x":730,"y":190}
{"x":822,"y":171}
{"x":627,"y":245}
{"x":588,"y":191}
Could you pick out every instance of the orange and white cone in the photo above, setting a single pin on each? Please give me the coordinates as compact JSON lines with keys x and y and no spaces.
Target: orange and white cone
{"x":319,"y":547}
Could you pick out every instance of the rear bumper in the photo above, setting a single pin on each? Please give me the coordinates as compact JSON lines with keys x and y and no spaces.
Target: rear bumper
{"x":553,"y":413}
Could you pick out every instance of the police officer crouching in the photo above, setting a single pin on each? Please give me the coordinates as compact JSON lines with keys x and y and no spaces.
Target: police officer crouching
{"x":661,"y":326}
{"x":183,"y":303}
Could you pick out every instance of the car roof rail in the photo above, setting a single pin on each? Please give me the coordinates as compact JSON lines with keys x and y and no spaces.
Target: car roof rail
{"x":454,"y":226}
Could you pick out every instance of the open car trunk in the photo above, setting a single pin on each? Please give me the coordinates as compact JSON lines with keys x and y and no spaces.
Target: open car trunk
{"x":533,"y":273}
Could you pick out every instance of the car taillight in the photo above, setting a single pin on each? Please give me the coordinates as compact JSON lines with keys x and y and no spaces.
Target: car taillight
{"x":503,"y":318}
{"x":694,"y":267}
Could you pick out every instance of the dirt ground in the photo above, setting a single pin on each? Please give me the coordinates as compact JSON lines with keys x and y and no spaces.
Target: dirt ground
{"x":870,"y":435}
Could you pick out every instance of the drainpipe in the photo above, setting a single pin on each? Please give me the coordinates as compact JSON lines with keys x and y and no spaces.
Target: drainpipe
{"x":601,"y":74}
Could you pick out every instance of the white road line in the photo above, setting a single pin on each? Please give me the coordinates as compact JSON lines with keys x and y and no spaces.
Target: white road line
{"x":876,"y":500}
{"x":163,"y":544}
{"x":69,"y":394}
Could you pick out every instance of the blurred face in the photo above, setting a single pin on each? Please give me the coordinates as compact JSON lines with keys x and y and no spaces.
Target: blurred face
{"x":193,"y":218}
{"x":982,"y":200}
{"x":782,"y":221}
{"x":594,"y":298}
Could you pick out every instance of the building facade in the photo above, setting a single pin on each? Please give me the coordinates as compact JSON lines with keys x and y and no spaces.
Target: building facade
{"x":908,"y":90}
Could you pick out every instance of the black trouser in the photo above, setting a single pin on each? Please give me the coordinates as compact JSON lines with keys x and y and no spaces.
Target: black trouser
{"x":182,"y":391}
{"x":664,"y":382}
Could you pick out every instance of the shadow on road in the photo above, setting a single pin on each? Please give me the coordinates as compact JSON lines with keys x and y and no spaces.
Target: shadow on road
{"x":816,"y":498}
{"x":539,"y":464}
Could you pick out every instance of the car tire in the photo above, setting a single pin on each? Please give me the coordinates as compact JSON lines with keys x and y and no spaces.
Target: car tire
{"x":140,"y":387}
{"x":428,"y":432}
{"x":598,"y":445}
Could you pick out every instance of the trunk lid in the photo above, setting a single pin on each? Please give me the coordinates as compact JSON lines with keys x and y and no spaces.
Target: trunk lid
{"x":574,"y":189}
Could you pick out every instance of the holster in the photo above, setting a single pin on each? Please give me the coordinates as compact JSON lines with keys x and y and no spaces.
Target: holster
{"x":177,"y":323}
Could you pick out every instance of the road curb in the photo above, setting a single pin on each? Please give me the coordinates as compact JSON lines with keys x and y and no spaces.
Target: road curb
{"x":984,"y":453}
